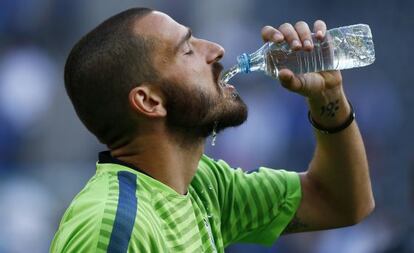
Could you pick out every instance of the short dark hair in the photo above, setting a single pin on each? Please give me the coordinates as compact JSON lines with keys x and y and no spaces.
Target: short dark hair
{"x":100,"y":71}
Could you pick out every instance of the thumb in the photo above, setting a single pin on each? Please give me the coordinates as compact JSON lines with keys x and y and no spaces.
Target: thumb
{"x":290,"y":81}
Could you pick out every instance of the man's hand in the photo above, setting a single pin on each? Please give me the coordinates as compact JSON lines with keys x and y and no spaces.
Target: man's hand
{"x":328,"y":104}
{"x":311,"y":85}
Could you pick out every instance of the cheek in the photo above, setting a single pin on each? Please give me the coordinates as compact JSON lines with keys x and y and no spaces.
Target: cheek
{"x":187,"y":72}
{"x":192,"y":73}
{"x":193,"y":69}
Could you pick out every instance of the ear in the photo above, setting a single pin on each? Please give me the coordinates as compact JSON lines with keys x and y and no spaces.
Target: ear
{"x":147,"y":101}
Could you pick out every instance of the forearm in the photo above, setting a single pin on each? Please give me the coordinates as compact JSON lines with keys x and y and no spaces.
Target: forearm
{"x":339,"y":168}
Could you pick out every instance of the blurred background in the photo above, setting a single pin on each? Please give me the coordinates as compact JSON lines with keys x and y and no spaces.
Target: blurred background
{"x":46,"y":155}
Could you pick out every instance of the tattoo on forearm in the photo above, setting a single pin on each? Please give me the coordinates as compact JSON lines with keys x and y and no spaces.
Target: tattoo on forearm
{"x":330,"y":109}
{"x":296,"y":225}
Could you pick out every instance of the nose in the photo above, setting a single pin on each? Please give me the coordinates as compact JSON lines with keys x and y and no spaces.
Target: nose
{"x":214,"y":53}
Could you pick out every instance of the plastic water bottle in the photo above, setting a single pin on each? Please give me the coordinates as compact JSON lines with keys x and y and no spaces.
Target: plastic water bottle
{"x":342,"y":48}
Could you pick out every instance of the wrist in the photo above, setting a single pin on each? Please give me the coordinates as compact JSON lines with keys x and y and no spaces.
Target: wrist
{"x":330,"y":111}
{"x":336,"y":129}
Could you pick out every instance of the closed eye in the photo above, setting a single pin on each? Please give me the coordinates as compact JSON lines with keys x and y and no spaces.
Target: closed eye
{"x":190,"y":52}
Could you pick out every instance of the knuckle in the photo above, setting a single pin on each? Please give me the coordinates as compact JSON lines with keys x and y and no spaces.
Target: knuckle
{"x":267,"y":29}
{"x":285,"y":26}
{"x":301,"y":24}
{"x":320,"y":22}
{"x":268,"y":32}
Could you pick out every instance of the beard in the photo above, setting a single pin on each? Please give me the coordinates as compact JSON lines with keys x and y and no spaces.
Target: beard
{"x":193,"y":112}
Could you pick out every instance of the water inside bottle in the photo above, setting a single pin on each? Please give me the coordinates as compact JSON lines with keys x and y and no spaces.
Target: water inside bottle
{"x":343,"y":48}
{"x":354,"y":46}
{"x":228,"y":74}
{"x":299,"y":62}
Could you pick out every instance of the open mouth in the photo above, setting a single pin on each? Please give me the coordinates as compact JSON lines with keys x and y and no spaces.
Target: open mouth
{"x":217,"y":75}
{"x":220,"y":81}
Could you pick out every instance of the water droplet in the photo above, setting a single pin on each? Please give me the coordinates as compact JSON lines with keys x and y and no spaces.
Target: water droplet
{"x":214,"y":135}
{"x":213,"y":140}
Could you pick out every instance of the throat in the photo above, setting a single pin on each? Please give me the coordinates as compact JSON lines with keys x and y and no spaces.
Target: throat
{"x":166,"y":161}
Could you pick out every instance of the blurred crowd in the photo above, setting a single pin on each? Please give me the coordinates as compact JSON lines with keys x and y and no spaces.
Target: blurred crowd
{"x":46,"y":155}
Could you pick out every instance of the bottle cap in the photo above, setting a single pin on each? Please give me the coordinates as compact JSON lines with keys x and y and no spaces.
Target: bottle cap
{"x":244,"y":63}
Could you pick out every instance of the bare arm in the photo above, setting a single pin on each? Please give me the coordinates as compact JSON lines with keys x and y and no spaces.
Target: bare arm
{"x":336,"y":188}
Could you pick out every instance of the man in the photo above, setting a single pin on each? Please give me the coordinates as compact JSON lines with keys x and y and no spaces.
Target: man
{"x":149,"y":90}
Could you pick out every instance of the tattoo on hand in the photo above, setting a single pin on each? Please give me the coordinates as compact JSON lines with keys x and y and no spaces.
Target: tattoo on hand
{"x":330,"y":109}
{"x":295,"y":225}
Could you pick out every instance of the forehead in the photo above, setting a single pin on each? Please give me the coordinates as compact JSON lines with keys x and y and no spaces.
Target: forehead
{"x":160,"y":26}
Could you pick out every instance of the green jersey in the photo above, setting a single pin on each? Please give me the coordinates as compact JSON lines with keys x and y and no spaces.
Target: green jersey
{"x":121,"y":209}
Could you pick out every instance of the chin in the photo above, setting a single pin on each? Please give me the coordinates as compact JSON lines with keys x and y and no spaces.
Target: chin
{"x":234,"y":117}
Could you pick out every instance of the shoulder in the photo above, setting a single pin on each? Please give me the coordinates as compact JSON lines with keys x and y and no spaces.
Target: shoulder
{"x":211,"y":167}
{"x":105,"y":208}
{"x":213,"y":175}
{"x":210,"y":171}
{"x":80,"y":225}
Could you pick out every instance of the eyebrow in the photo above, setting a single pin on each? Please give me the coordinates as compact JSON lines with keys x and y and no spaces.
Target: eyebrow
{"x":186,"y":37}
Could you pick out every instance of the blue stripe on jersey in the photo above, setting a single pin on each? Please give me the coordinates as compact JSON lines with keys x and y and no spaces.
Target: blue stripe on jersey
{"x":125,"y":213}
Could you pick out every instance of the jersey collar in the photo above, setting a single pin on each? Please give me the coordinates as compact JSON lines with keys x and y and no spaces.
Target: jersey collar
{"x":106,"y":157}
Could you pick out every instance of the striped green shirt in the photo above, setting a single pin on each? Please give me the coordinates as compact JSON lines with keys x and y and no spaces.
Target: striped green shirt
{"x":124,"y":210}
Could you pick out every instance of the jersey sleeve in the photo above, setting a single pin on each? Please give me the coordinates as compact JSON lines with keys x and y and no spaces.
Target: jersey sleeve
{"x":79,"y":229}
{"x":254,"y":207}
{"x":103,"y":217}
{"x":87,"y":224}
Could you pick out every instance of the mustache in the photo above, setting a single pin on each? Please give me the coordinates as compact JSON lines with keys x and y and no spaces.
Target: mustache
{"x":216,"y":70}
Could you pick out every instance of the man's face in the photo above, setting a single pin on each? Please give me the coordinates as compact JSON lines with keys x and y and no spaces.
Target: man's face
{"x":195,"y":100}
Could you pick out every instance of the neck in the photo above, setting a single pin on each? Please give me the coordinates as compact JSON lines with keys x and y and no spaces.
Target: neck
{"x":164,"y":158}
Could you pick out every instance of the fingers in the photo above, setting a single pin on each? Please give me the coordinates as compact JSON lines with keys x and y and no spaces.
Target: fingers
{"x":305,"y":35}
{"x":319,"y":28}
{"x":298,"y":37}
{"x":271,"y":34}
{"x":291,"y":36}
